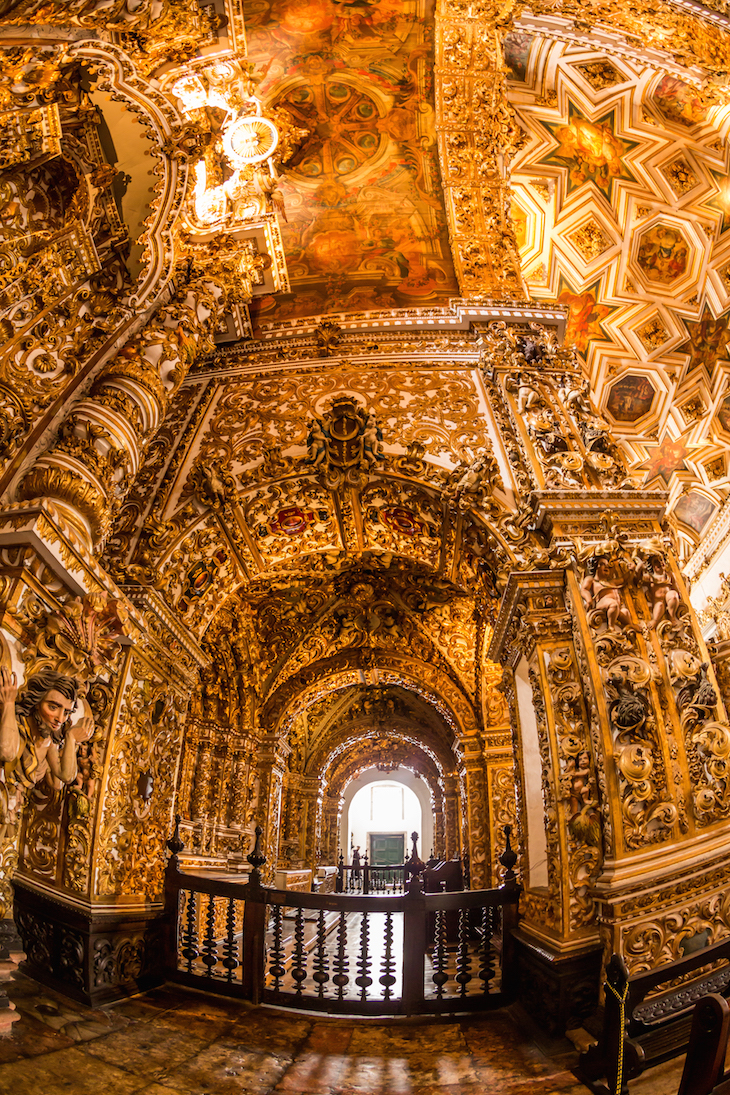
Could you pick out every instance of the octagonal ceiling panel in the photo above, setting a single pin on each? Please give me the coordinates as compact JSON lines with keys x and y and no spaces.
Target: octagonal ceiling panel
{"x":627,"y":160}
{"x":631,"y":398}
{"x":667,"y":257}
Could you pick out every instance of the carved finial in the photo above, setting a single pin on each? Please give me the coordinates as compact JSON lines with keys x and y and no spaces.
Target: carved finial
{"x":414,"y":865}
{"x":256,"y":857}
{"x":508,"y":857}
{"x":175,"y":843}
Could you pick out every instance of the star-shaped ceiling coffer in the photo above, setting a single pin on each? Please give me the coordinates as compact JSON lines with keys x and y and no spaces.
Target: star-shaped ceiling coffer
{"x":590,"y":150}
{"x":623,"y":201}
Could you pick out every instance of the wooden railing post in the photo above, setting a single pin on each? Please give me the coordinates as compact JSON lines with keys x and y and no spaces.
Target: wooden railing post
{"x":340,"y":883}
{"x":254,"y":926}
{"x":510,"y":917}
{"x":365,"y":875}
{"x":414,"y":947}
{"x":172,"y":903}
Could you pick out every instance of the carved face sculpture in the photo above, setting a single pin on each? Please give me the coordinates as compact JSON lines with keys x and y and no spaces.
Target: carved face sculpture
{"x":53,"y":711}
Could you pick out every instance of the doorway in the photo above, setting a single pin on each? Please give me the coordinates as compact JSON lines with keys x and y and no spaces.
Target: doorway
{"x":386,"y":849}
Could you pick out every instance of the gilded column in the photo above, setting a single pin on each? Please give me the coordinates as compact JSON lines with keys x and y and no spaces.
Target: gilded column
{"x":620,"y":733}
{"x":199,"y":803}
{"x":309,"y":791}
{"x":438,"y":828}
{"x":271,"y":771}
{"x":477,"y":812}
{"x":97,"y":454}
{"x":240,"y":792}
{"x":330,"y":834}
{"x":187,"y":768}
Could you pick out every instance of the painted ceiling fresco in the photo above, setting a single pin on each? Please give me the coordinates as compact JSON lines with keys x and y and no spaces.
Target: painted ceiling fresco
{"x":621,"y":197}
{"x":364,"y":219}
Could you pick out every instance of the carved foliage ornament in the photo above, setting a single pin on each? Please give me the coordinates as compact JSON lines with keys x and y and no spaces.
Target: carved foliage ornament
{"x":80,"y":639}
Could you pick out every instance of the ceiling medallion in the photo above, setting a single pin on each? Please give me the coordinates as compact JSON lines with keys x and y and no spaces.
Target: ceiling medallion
{"x":250,"y":140}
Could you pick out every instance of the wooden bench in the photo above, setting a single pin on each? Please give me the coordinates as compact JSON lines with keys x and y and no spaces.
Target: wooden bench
{"x":704,"y":1069}
{"x":654,"y":1024}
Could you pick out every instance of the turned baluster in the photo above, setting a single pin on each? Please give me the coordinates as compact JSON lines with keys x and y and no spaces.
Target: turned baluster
{"x":341,"y":963}
{"x":277,"y":968}
{"x":190,"y":935}
{"x":387,"y":965}
{"x":463,"y":961}
{"x":439,"y":958}
{"x":486,"y":951}
{"x":363,"y":980}
{"x":230,"y":960}
{"x":299,"y":966}
{"x":209,"y":957}
{"x":321,"y":965}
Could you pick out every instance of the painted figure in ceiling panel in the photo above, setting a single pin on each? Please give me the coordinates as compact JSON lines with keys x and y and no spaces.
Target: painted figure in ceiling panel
{"x":365,"y":221}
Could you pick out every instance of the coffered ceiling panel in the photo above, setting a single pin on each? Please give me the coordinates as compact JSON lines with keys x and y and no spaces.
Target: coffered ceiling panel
{"x":621,"y":200}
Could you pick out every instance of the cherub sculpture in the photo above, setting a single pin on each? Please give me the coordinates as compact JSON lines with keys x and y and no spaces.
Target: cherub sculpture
{"x":653,"y":575}
{"x":602,"y":590}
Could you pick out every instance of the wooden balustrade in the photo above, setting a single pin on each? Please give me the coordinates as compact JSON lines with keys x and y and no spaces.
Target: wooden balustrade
{"x":366,"y":879}
{"x":350,"y":954}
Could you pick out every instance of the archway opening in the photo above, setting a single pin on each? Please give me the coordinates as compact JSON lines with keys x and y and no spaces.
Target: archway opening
{"x":381,"y":814}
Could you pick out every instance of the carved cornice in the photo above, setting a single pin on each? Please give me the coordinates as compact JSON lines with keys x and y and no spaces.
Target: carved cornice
{"x":585,"y":506}
{"x":519,"y":585}
{"x":149,"y":601}
{"x":41,"y":527}
{"x":458,"y":315}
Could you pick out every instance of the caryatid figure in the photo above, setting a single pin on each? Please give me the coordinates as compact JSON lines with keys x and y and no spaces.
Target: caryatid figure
{"x":37,"y":740}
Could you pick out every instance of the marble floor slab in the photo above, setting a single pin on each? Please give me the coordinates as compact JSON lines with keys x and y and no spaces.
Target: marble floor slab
{"x":177,"y":1042}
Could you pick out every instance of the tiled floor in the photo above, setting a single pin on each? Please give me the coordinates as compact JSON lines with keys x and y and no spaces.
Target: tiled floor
{"x":173,"y":1042}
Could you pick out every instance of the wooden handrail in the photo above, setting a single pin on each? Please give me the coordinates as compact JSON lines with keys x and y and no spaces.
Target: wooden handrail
{"x":242,"y":891}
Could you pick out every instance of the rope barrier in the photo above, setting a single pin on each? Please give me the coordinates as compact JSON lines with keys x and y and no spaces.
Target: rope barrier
{"x":621,"y":1032}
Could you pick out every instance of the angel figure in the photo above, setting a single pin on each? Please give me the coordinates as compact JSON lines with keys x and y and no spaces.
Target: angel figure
{"x":601,"y":590}
{"x":652,"y":573}
{"x":528,"y":396}
{"x":316,"y":443}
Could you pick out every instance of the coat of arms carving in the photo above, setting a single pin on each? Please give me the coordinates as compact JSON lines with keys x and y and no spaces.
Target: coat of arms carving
{"x":346,"y":444}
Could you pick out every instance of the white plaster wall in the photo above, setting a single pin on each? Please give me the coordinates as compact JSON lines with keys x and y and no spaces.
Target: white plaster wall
{"x":532,"y":779}
{"x":411,"y":794}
